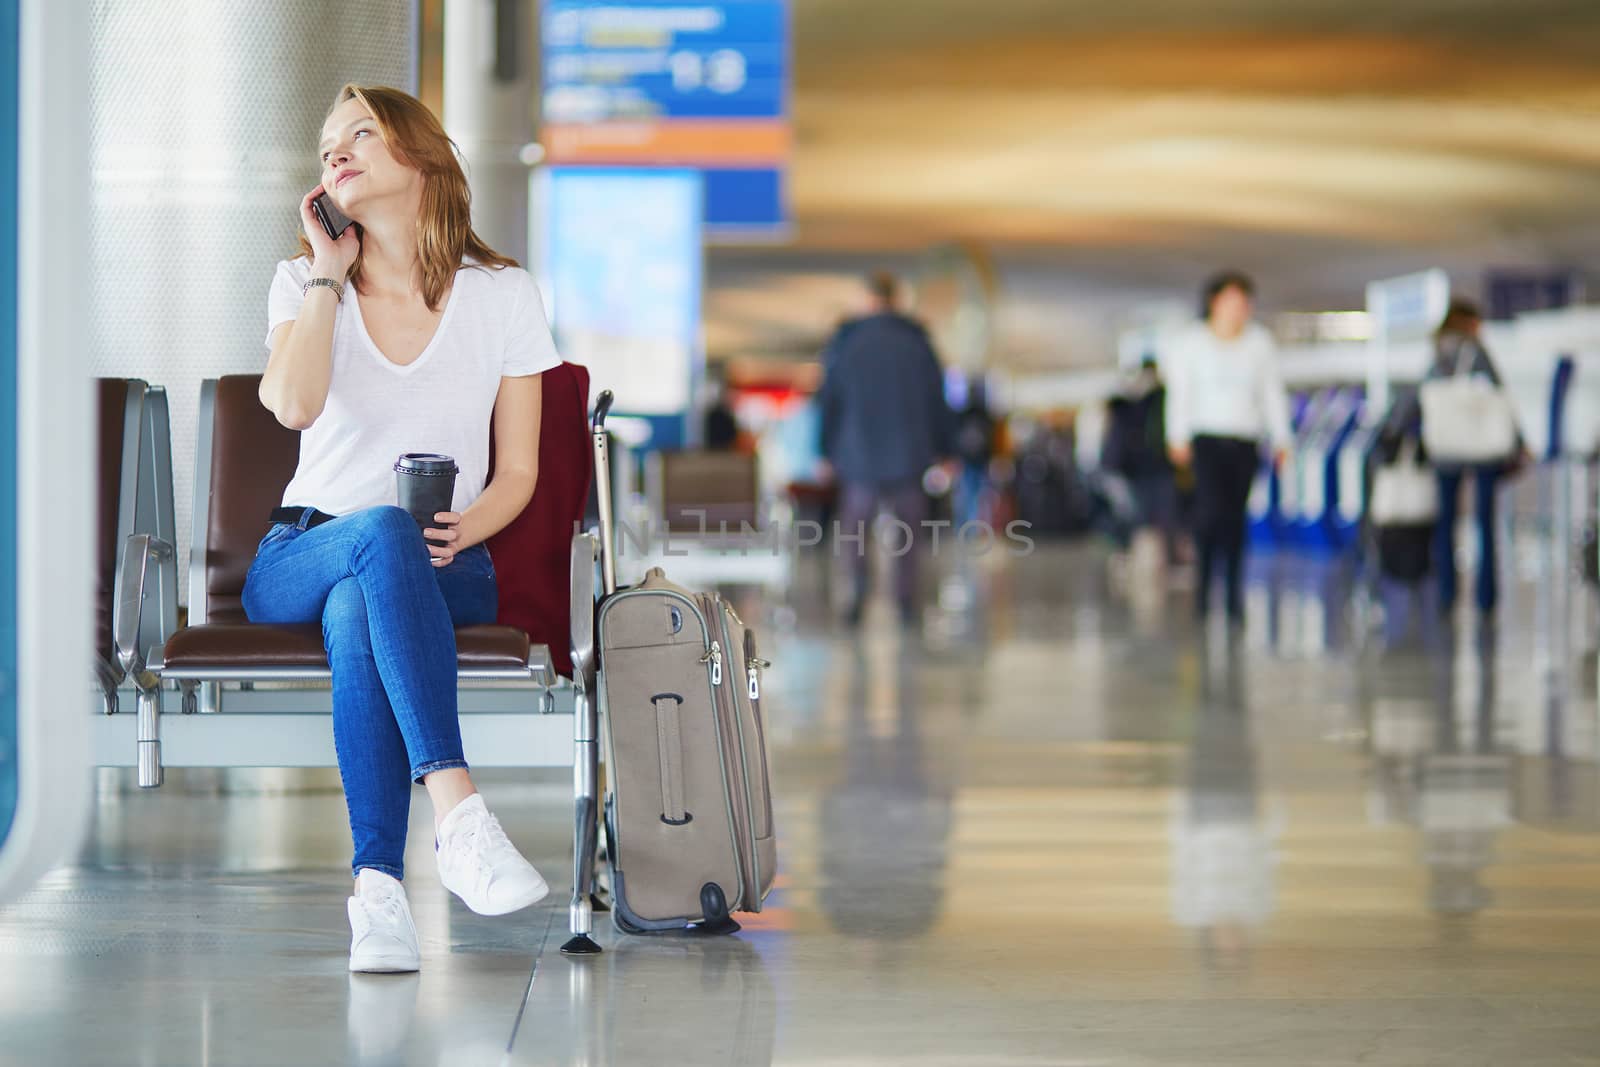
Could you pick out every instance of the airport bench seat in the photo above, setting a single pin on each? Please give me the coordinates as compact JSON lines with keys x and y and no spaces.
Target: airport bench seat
{"x":710,"y":523}
{"x":244,"y":459}
{"x":695,"y":491}
{"x":544,"y":569}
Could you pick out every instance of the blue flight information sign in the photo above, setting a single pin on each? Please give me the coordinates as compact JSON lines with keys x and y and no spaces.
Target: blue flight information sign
{"x":671,"y":83}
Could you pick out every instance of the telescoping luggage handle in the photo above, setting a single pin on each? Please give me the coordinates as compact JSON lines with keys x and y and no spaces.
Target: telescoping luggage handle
{"x":602,"y":485}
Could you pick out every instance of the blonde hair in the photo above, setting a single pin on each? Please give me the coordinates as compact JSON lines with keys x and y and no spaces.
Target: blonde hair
{"x":444,"y":225}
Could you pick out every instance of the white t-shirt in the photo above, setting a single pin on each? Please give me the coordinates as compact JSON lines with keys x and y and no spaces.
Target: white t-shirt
{"x":493,"y":326}
{"x":1225,"y":388}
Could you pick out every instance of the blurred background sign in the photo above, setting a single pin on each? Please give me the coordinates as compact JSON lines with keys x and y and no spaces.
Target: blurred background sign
{"x":621,"y":265}
{"x":1509,"y":293}
{"x":669,"y":83}
{"x":1409,"y":306}
{"x":1406,"y":308}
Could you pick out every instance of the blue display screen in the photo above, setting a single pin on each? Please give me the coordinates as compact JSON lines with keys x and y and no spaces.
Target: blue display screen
{"x":9,"y":30}
{"x":622,"y":264}
{"x":675,"y":59}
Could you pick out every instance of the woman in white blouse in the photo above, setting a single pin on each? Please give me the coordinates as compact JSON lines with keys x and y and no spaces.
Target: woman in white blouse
{"x":1225,"y":399}
{"x":405,"y":334}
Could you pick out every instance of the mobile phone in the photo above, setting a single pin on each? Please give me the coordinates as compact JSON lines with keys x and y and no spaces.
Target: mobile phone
{"x":334,"y":221}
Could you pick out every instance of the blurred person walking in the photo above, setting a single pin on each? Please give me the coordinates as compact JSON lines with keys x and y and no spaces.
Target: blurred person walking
{"x":1225,"y":396}
{"x":720,"y":429}
{"x":884,"y":422}
{"x":1458,"y":356}
{"x":974,"y":446}
{"x":1135,"y":451}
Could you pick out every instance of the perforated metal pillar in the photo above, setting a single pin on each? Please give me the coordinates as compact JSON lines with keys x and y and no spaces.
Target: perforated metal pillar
{"x":204,"y":116}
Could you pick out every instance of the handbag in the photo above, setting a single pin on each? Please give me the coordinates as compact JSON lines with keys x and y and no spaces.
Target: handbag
{"x":1467,"y":418}
{"x":1405,"y":492}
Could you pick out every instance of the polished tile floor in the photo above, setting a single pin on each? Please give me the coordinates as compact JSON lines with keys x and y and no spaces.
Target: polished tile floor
{"x":1060,"y":826}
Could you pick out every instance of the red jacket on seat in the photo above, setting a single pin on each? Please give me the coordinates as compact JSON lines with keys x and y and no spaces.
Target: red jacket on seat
{"x":533,"y":555}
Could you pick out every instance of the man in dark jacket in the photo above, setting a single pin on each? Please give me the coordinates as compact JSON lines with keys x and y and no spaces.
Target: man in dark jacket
{"x":884,"y":423}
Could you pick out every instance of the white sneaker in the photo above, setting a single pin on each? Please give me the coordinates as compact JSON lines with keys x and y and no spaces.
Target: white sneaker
{"x":383,"y":939}
{"x":479,"y":864}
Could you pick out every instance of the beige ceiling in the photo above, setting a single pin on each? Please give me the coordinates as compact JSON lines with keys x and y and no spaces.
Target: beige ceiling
{"x":1060,"y":122}
{"x":1111,"y":152}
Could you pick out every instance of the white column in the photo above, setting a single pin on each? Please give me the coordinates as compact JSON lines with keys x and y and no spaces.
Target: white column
{"x":182,"y":249}
{"x":490,"y":80}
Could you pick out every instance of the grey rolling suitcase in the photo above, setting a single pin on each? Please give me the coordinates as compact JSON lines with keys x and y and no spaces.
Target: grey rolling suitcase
{"x":688,"y":807}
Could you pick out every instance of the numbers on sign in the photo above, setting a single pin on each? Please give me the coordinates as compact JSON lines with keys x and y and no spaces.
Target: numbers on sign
{"x":688,"y":72}
{"x":725,"y":71}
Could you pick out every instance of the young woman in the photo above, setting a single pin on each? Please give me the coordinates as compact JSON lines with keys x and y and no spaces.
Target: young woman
{"x":1458,"y":349}
{"x":1224,"y":395}
{"x":407,"y":334}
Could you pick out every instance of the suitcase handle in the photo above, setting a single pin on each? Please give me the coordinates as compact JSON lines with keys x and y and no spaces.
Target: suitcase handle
{"x":602,"y":484}
{"x":669,"y":749}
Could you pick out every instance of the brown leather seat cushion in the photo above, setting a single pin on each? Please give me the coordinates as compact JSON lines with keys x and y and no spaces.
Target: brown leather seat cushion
{"x":241,"y":646}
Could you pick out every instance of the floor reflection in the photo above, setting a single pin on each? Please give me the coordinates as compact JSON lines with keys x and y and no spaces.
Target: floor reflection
{"x":885,"y":822}
{"x":1223,"y":843}
{"x":378,"y":1017}
{"x":1439,"y":766}
{"x":663,"y":999}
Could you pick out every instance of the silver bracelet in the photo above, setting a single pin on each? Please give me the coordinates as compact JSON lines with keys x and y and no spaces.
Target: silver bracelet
{"x":338,"y":290}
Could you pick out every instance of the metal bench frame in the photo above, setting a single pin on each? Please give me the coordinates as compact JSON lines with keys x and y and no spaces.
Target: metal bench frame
{"x":145,"y":512}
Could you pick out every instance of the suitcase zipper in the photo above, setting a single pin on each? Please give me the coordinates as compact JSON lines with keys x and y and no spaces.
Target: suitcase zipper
{"x":751,"y":891}
{"x":714,"y":657}
{"x":753,"y":669}
{"x":757,"y":665}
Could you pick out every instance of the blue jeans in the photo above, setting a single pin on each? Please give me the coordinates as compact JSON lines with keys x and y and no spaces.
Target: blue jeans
{"x":1444,"y":545}
{"x":388,"y":623}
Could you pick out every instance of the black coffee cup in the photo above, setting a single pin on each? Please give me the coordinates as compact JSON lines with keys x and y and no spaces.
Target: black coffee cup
{"x":425,"y":484}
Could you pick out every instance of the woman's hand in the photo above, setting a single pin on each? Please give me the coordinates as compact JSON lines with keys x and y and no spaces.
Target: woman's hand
{"x":329,"y":258}
{"x":444,"y":554}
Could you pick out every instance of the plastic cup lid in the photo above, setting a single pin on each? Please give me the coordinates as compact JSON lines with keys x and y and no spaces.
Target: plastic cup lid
{"x":425,"y":463}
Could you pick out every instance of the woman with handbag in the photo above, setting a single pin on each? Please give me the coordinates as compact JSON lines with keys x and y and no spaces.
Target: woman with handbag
{"x":1470,"y":433}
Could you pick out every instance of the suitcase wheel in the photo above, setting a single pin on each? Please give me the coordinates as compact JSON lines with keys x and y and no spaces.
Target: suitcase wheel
{"x":714,"y":906}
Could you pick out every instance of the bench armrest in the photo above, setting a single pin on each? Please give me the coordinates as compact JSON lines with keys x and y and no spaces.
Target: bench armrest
{"x":140,"y":551}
